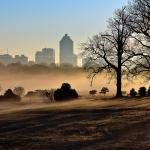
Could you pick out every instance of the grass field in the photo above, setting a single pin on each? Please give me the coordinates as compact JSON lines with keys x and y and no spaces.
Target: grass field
{"x":84,"y":124}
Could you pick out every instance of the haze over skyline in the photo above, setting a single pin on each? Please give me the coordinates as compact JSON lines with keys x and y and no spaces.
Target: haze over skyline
{"x":30,"y":25}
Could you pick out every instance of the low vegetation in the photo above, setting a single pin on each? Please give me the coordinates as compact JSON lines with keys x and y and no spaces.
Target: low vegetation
{"x":65,"y":93}
{"x":62,"y":94}
{"x":93,"y":92}
{"x":142,"y":92}
{"x":10,"y":96}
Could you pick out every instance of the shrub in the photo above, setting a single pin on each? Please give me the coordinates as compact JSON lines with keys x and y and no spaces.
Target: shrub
{"x":104,"y":90}
{"x":142,"y":91}
{"x":49,"y":94}
{"x":9,"y":95}
{"x":92,"y":92}
{"x":133,"y":93}
{"x":65,"y":93}
{"x":66,"y":87}
{"x":20,"y":91}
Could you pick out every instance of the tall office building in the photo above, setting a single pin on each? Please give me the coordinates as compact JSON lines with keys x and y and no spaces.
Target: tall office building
{"x":46,"y":56}
{"x":67,"y":55}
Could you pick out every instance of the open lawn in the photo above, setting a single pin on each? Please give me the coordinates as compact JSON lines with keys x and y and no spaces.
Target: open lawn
{"x":84,"y":124}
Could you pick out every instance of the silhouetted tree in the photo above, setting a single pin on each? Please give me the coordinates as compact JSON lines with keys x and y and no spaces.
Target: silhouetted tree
{"x":93,"y":92}
{"x":139,"y":21}
{"x":49,"y":94}
{"x":58,"y":95}
{"x":139,"y":24}
{"x":10,"y":95}
{"x":66,"y":87}
{"x":104,"y":90}
{"x":133,"y":93}
{"x":20,"y":91}
{"x":142,"y":91}
{"x":112,"y":50}
{"x":65,"y":93}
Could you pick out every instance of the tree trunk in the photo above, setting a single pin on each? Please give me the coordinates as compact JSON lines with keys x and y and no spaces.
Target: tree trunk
{"x":119,"y":84}
{"x":119,"y":75}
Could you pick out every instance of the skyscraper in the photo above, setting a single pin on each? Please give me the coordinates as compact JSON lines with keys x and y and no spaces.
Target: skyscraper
{"x":67,"y":55}
{"x":46,"y":56}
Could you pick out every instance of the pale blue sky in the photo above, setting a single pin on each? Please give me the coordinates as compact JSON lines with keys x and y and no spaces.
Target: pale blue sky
{"x":29,"y":25}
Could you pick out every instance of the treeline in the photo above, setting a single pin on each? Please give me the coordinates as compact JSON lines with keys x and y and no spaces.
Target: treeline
{"x":38,"y":68}
{"x":142,"y":92}
{"x":65,"y":92}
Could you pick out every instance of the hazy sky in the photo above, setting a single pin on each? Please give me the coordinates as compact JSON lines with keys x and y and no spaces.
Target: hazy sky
{"x":29,"y":25}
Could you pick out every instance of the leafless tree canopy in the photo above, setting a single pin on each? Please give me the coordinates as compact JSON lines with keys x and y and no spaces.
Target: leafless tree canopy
{"x":139,"y":22}
{"x":118,"y":49}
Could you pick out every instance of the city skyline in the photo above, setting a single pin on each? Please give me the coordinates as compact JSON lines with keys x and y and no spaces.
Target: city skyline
{"x":30,"y":25}
{"x":47,"y":55}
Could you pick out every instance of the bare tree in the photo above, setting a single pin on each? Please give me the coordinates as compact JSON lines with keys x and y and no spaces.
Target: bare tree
{"x":143,"y":66}
{"x":113,"y":50}
{"x":139,"y":24}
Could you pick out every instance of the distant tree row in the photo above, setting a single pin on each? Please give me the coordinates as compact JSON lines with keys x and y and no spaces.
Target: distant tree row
{"x":37,"y":68}
{"x":142,"y":92}
{"x":61,"y":94}
{"x":103,"y":91}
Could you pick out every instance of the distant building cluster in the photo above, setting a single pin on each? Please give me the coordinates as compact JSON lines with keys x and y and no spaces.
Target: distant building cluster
{"x":8,"y":59}
{"x":46,"y":55}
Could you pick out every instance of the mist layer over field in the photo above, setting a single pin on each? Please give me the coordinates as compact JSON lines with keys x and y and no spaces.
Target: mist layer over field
{"x":86,"y":123}
{"x":53,"y":79}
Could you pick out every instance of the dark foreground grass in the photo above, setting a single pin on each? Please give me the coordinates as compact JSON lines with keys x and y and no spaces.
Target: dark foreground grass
{"x":106,"y":128}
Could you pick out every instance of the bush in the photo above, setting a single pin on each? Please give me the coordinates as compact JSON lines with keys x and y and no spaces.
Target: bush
{"x":49,"y":94}
{"x":104,"y":90}
{"x":9,"y":95}
{"x":133,"y":93}
{"x":142,"y":91}
{"x":66,"y":87}
{"x":65,"y":93}
{"x":92,"y":92}
{"x":20,"y":91}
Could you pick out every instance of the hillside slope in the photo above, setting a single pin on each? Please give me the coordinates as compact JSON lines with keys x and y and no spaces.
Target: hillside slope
{"x":83,"y":124}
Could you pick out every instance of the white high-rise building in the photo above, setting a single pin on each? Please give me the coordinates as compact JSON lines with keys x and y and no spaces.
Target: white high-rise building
{"x":67,"y":55}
